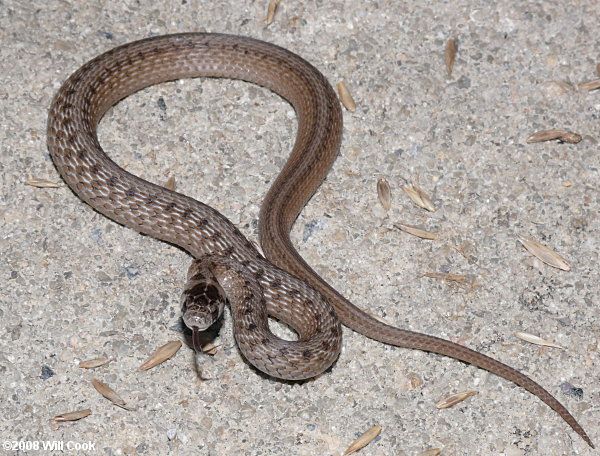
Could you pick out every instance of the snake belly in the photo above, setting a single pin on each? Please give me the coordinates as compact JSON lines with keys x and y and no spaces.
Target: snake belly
{"x":284,"y":277}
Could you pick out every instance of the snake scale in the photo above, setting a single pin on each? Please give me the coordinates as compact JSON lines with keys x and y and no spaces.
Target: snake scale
{"x":227,"y":266}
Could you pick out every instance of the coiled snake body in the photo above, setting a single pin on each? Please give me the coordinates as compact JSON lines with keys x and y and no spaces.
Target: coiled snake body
{"x":282,"y":285}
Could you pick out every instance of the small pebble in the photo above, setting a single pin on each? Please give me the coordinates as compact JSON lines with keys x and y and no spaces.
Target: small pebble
{"x":132,"y":272}
{"x":571,"y":390}
{"x":46,"y":373}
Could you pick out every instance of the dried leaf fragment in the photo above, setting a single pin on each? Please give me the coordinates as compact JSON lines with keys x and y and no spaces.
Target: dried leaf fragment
{"x":346,"y":97}
{"x":454,"y":399}
{"x":171,"y":183}
{"x":42,"y":183}
{"x":549,"y":135}
{"x":93,"y":363}
{"x":271,"y":10}
{"x":432,"y":452}
{"x":361,"y":442}
{"x":536,"y":340}
{"x":419,"y":197}
{"x":109,"y":393}
{"x":416,"y":231}
{"x":162,"y":354}
{"x":73,"y":416}
{"x":589,"y":85}
{"x":450,"y":55}
{"x":384,"y":193}
{"x":543,"y":253}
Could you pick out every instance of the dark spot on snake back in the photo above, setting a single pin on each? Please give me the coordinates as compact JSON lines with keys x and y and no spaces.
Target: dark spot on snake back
{"x":212,"y":292}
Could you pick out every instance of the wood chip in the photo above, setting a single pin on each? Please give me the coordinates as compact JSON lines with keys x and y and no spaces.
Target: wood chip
{"x":536,"y":340}
{"x":416,"y":231}
{"x":93,"y":363}
{"x":42,"y":183}
{"x":450,"y":55}
{"x":345,"y":97}
{"x":361,"y":442}
{"x":543,"y":253}
{"x":419,"y":197}
{"x":454,"y":399}
{"x":589,"y":85}
{"x":384,"y":193}
{"x":549,"y":135}
{"x":271,"y":10}
{"x":598,"y":69}
{"x":432,"y":452}
{"x":109,"y":393}
{"x":171,"y":184}
{"x":162,"y":354}
{"x":73,"y":416}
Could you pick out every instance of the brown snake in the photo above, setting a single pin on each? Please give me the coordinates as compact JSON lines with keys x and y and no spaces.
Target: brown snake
{"x":226,"y":262}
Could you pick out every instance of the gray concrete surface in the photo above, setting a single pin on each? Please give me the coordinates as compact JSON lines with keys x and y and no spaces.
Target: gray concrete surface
{"x":78,"y":286}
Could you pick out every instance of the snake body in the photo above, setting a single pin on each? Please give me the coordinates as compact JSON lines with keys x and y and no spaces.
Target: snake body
{"x":282,"y":284}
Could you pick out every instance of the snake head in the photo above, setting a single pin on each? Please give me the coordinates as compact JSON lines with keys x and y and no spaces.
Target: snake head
{"x":202,"y":303}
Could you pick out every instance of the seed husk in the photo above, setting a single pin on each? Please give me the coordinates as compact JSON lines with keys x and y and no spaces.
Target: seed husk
{"x":271,"y":10}
{"x":171,"y":183}
{"x":544,"y":254}
{"x":93,"y":363}
{"x":73,"y":416}
{"x":590,"y":85}
{"x":536,"y":340}
{"x":109,"y":393}
{"x":450,"y":55}
{"x":549,"y":135}
{"x":419,"y":197}
{"x":209,"y":349}
{"x":42,"y":183}
{"x":447,"y":276}
{"x":432,"y":452}
{"x":416,"y":231}
{"x":454,"y":399}
{"x":346,"y":97}
{"x":361,"y":442}
{"x":162,"y":354}
{"x":384,"y":193}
